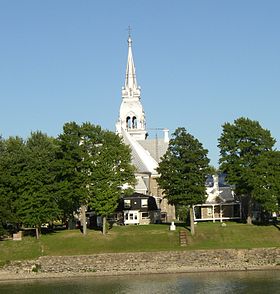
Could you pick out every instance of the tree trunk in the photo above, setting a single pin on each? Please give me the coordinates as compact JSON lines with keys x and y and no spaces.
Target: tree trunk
{"x":192,"y":221}
{"x":37,"y":233}
{"x":84,"y":220}
{"x":250,"y":210}
{"x":104,"y":220}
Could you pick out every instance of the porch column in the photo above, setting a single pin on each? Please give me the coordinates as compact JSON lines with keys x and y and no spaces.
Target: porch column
{"x":221,"y":213}
{"x":213,"y":212}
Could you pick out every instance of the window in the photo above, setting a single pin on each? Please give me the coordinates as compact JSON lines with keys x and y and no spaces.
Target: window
{"x":131,"y":216}
{"x":134,"y":122}
{"x":126,"y":216}
{"x":209,"y":211}
{"x":126,"y":203}
{"x":145,"y":215}
{"x":144,"y":202}
{"x":128,"y":122}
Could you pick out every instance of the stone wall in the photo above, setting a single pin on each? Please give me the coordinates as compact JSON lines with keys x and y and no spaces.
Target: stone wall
{"x":152,"y":262}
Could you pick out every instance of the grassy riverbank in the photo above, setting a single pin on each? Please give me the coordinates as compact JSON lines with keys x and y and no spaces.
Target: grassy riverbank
{"x":140,"y":238}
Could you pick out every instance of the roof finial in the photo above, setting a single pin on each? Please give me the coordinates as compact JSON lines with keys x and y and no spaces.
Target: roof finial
{"x":129,"y":40}
{"x":129,"y":31}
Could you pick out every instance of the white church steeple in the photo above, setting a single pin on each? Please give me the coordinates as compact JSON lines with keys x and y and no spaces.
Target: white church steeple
{"x":130,"y":75}
{"x":131,"y":116}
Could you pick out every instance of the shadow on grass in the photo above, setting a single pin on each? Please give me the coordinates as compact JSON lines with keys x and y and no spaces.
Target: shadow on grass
{"x":276,"y":225}
{"x":268,"y":223}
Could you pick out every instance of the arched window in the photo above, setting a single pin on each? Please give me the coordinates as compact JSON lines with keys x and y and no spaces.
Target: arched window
{"x":128,"y":122}
{"x":134,"y":122}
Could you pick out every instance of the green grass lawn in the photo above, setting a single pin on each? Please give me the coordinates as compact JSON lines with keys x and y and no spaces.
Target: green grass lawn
{"x":234,"y":235}
{"x":140,"y":238}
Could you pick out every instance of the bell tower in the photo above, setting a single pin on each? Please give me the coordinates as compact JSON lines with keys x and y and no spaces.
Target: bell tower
{"x":131,"y":115}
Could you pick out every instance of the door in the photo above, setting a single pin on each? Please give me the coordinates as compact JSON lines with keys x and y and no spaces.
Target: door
{"x":131,"y":217}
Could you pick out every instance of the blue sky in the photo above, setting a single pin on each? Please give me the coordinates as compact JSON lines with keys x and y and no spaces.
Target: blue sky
{"x":199,"y":63}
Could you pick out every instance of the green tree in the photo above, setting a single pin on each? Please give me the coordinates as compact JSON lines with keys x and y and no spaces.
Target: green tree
{"x":12,"y":162}
{"x":183,"y":170}
{"x":113,"y":170}
{"x":95,"y":164}
{"x":5,"y":212}
{"x":241,"y":145}
{"x":37,"y":199}
{"x":79,"y":146}
{"x":3,"y":199}
{"x":69,"y":164}
{"x":266,"y":181}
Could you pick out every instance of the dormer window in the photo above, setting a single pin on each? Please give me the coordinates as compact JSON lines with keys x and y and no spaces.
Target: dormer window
{"x":127,"y":203}
{"x":144,"y":203}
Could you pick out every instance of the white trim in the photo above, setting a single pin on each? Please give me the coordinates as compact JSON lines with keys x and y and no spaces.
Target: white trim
{"x":220,"y":217}
{"x":131,"y":217}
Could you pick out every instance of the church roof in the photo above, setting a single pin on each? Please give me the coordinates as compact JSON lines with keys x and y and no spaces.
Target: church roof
{"x":141,"y":185}
{"x":141,"y":158}
{"x":156,"y":147}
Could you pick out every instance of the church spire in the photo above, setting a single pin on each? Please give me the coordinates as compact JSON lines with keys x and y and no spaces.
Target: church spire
{"x":132,"y":115}
{"x":130,"y":75}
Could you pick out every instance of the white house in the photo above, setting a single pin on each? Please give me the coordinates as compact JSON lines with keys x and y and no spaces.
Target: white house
{"x":220,"y":204}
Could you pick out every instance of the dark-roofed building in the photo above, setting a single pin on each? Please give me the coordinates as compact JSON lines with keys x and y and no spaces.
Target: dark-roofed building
{"x":139,"y":209}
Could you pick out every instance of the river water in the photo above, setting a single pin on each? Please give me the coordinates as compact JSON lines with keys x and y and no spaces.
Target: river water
{"x":208,"y":283}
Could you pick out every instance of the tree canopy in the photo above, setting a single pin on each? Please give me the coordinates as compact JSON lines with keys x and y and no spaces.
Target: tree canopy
{"x":95,"y":164}
{"x":27,"y":180}
{"x":183,"y":170}
{"x":266,"y":181}
{"x":12,"y":162}
{"x":44,"y":179}
{"x":71,"y":166}
{"x":245,"y":150}
{"x":113,"y":169}
{"x":37,"y":201}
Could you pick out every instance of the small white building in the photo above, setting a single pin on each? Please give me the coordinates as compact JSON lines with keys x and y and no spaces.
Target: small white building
{"x":220,"y":204}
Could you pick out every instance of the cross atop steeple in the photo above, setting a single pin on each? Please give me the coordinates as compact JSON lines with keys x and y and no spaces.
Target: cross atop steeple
{"x":129,"y":31}
{"x":129,"y":40}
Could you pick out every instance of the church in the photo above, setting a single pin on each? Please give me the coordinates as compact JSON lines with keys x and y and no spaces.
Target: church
{"x":146,"y":152}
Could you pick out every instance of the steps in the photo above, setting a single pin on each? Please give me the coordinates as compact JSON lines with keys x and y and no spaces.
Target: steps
{"x":183,"y":238}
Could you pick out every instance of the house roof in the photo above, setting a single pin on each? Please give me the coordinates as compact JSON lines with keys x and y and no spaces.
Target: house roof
{"x":136,"y":197}
{"x":217,"y":190}
{"x":226,"y":194}
{"x":222,"y":194}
